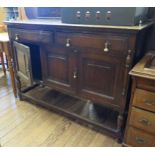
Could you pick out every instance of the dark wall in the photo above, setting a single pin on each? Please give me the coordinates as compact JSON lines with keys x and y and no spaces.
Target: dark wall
{"x":150,"y":42}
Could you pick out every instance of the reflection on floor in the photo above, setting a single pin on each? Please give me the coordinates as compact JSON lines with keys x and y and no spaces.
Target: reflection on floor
{"x":24,"y":124}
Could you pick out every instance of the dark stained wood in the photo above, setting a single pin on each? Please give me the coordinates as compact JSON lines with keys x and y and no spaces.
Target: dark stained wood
{"x":93,"y":67}
{"x":116,"y":44}
{"x":70,"y":106}
{"x":59,"y":68}
{"x":89,"y":62}
{"x":31,"y":36}
{"x":50,"y":24}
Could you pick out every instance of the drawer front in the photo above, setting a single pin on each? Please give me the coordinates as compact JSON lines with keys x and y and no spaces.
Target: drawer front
{"x":147,"y":84}
{"x":31,"y":36}
{"x":106,"y":43}
{"x":142,"y":120}
{"x":144,"y":99}
{"x":139,"y":138}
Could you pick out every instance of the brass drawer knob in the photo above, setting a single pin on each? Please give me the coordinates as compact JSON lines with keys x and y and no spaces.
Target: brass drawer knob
{"x":144,"y":121}
{"x":16,"y":37}
{"x":68,"y":42}
{"x":106,"y":47}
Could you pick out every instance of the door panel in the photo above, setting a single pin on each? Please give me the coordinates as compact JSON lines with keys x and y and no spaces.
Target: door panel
{"x":95,"y":71}
{"x":58,"y":66}
{"x":23,"y":64}
{"x":100,"y":78}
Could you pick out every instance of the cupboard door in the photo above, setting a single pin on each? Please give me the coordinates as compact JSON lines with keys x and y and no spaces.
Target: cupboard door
{"x":23,"y":64}
{"x":59,"y":68}
{"x":100,"y":78}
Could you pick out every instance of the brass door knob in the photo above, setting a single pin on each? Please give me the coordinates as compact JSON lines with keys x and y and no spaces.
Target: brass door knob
{"x":68,"y":42}
{"x":106,"y":47}
{"x":75,"y":74}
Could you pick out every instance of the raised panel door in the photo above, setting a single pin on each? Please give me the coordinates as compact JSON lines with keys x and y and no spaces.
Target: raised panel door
{"x":23,"y":64}
{"x":59,"y":68}
{"x":101,"y":78}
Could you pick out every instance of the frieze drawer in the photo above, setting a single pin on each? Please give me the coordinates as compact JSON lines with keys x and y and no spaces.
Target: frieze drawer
{"x":31,"y":36}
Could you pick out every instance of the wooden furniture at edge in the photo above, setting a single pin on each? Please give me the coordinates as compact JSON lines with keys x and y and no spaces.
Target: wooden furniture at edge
{"x":5,"y":47}
{"x":85,"y":61}
{"x":140,"y":128}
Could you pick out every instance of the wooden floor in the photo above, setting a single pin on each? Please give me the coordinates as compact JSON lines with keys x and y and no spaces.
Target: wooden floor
{"x":24,"y":124}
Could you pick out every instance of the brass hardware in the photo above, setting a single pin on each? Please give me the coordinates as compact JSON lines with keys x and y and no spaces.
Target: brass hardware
{"x":68,"y":42}
{"x":149,"y":102}
{"x":106,"y":47}
{"x":87,"y":15}
{"x":78,"y":14}
{"x":144,"y":121}
{"x":140,"y":140}
{"x":75,"y":74}
{"x":16,"y":37}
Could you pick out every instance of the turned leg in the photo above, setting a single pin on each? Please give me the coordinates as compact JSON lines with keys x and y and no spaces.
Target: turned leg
{"x":2,"y":58}
{"x":12,"y":75}
{"x":119,"y":127}
{"x":10,"y":65}
{"x":7,"y":62}
{"x":2,"y":62}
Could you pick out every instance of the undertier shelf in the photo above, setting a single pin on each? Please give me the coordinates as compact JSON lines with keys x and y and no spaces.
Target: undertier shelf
{"x":92,"y":114}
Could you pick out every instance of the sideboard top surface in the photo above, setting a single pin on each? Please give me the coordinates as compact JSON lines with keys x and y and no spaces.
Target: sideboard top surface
{"x":57,"y":22}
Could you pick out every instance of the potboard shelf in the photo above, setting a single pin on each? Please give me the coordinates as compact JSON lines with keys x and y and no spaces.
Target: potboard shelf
{"x":94,"y":115}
